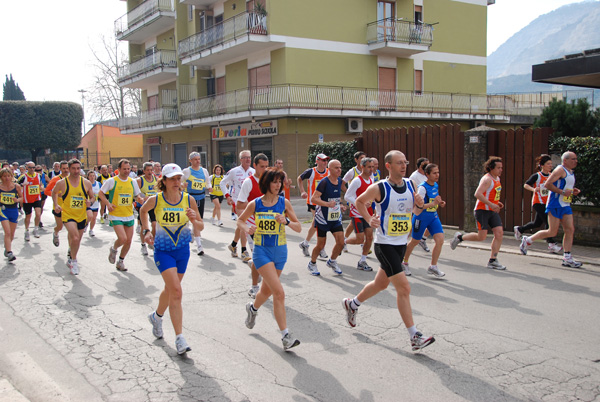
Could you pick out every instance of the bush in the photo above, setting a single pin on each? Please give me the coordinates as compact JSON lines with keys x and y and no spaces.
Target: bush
{"x":588,"y":157}
{"x":343,"y":151}
{"x":570,"y":119}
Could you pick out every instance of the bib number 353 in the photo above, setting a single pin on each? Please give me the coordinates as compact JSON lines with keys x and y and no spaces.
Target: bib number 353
{"x":399,"y":224}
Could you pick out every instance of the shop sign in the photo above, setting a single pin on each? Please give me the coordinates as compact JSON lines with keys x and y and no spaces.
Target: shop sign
{"x":153,"y":141}
{"x":258,"y":129}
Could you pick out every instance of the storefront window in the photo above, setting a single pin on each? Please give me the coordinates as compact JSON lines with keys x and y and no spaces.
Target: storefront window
{"x":155,"y":153}
{"x":262,"y":145}
{"x":227,"y":154}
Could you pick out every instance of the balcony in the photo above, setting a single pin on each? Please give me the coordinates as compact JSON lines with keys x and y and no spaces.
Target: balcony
{"x":198,"y":3}
{"x":317,"y":101}
{"x":150,"y":120}
{"x":399,"y":38}
{"x":237,"y":36}
{"x":147,"y":20}
{"x":155,"y":69}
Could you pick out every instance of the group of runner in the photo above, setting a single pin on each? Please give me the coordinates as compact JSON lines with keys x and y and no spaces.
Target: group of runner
{"x":395,"y":214}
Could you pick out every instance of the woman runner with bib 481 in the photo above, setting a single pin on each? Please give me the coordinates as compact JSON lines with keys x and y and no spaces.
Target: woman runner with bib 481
{"x":271,"y":213}
{"x":173,"y":209}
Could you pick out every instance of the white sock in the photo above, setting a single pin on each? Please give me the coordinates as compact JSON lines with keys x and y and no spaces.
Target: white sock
{"x":198,"y":241}
{"x":284,"y":332}
{"x":412,"y":330}
{"x":363,"y":258}
{"x":354,"y":304}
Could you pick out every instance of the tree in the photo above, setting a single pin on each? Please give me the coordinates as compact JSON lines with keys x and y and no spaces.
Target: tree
{"x":35,"y":126}
{"x":106,"y":98}
{"x":12,"y":90}
{"x":574,"y":119}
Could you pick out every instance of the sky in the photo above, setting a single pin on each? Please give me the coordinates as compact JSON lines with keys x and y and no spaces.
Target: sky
{"x":46,"y":45}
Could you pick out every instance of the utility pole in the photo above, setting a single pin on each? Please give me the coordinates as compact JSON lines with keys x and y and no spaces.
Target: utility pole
{"x":82,"y":91}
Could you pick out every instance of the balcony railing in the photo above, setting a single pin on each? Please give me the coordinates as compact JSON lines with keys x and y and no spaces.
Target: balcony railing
{"x":400,"y":31}
{"x":144,"y":10}
{"x":150,"y":118}
{"x":160,"y":59}
{"x":355,"y":99}
{"x":243,"y":24}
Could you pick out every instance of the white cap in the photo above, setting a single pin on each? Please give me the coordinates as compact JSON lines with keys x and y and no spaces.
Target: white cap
{"x":171,"y":169}
{"x":323,"y":157}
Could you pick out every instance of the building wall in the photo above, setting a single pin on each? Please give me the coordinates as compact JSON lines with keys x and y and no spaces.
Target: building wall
{"x":101,"y":143}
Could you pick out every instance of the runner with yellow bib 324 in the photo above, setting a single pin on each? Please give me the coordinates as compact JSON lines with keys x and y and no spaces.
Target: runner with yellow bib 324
{"x":77,"y":194}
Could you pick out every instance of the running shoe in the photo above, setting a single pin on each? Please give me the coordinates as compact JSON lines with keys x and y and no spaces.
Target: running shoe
{"x":74,"y":268}
{"x":55,"y":239}
{"x":245,"y":256}
{"x":233,"y":250}
{"x":455,"y":241}
{"x":10,"y":256}
{"x":350,"y":312}
{"x":312,"y":268}
{"x":289,"y":341}
{"x":323,"y":255}
{"x":92,"y":234}
{"x":212,"y":220}
{"x":524,"y":245}
{"x":570,"y":262}
{"x":419,"y":341}
{"x":181,"y":345}
{"x":233,"y":217}
{"x":121,"y":266}
{"x":518,"y":234}
{"x":220,"y":223}
{"x":112,"y":255}
{"x":333,"y":265}
{"x":138,"y":229}
{"x":156,"y":322}
{"x":555,"y":248}
{"x":345,"y":249}
{"x":200,"y":250}
{"x":144,"y":249}
{"x":41,"y":225}
{"x":435,"y":271}
{"x":251,"y":318}
{"x":85,"y":229}
{"x":496,"y":265}
{"x":423,"y":244}
{"x":27,"y":238}
{"x":304,"y":247}
{"x":363,"y":266}
{"x":102,"y":219}
{"x":105,"y":216}
{"x":253,"y":291}
{"x":36,"y":234}
{"x":406,"y":269}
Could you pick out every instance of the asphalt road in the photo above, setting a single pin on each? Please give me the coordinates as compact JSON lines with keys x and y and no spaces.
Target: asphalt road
{"x":528,"y":333}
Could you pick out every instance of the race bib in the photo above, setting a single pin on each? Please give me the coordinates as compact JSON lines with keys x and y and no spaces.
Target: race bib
{"x":217,"y":187}
{"x":432,"y":209}
{"x":34,"y":189}
{"x":334,"y":214}
{"x":197,"y":184}
{"x":7,"y":198}
{"x":399,"y":224}
{"x":77,"y":202}
{"x":544,"y":191}
{"x":498,"y":191}
{"x":172,"y":216}
{"x":567,"y":199}
{"x":124,"y":200}
{"x":266,"y":223}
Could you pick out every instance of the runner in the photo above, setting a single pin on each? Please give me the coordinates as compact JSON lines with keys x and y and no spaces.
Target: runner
{"x":328,"y":217}
{"x":561,"y":183}
{"x":348,"y":177}
{"x":64,"y":172}
{"x":118,"y":194}
{"x":395,"y":197}
{"x":271,"y":214}
{"x":44,"y":178}
{"x":76,"y":193}
{"x":233,"y":184}
{"x":428,"y":220}
{"x":418,"y":177}
{"x":487,"y":211}
{"x":538,"y":201}
{"x":148,"y":186}
{"x":196,"y":179}
{"x":55,"y":170}
{"x":285,"y":191}
{"x":10,"y":196}
{"x":250,"y":191}
{"x":104,"y":175}
{"x":157,"y":170}
{"x":111,"y":172}
{"x":314,"y":176}
{"x":376,"y":171}
{"x":216,"y":194}
{"x":92,"y":210}
{"x":364,"y":232}
{"x":173,"y":209}
{"x":32,"y":195}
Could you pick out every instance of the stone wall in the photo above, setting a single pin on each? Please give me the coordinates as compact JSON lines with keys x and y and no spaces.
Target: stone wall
{"x":587,"y":225}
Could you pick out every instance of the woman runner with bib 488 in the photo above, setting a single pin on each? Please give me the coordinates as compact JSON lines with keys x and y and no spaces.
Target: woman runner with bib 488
{"x":271,"y":213}
{"x":173,"y":209}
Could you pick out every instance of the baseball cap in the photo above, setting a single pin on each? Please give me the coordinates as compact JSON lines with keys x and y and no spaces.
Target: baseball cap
{"x":171,"y":169}
{"x":323,"y":157}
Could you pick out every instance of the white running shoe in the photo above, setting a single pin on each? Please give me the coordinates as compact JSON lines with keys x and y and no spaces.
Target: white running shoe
{"x":220,"y":223}
{"x":11,"y":257}
{"x":74,"y":267}
{"x":419,"y":341}
{"x":333,"y":265}
{"x":138,"y":229}
{"x":253,"y":291}
{"x":524,"y":245}
{"x":233,"y":217}
{"x":312,"y":268}
{"x":406,"y":269}
{"x":350,"y":312}
{"x":200,"y":250}
{"x":27,"y":238}
{"x":55,"y":239}
{"x":251,"y":317}
{"x":304,"y":247}
{"x":496,"y":265}
{"x":289,"y":341}
{"x":121,"y":266}
{"x":245,"y":256}
{"x":423,"y":244}
{"x":435,"y":271}
{"x":455,"y":241}
{"x":92,"y":234}
{"x":144,"y":249}
{"x":156,"y":322}
{"x":323,"y":255}
{"x":570,"y":262}
{"x":181,"y":345}
{"x":555,"y":248}
{"x":345,"y":249}
{"x":36,"y":234}
{"x":363,"y":266}
{"x":112,"y":255}
{"x":518,"y":235}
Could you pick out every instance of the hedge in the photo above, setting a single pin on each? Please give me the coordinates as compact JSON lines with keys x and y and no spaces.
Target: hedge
{"x":340,"y":150}
{"x":588,"y":158}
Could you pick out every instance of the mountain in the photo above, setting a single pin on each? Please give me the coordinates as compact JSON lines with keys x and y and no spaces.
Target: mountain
{"x":569,"y":29}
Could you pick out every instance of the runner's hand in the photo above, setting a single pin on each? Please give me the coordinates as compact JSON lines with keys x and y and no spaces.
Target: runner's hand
{"x":375,"y":222}
{"x":191,"y":214}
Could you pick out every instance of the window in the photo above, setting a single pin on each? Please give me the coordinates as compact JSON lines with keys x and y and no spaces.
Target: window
{"x":155,"y":153}
{"x":151,"y":50}
{"x":210,"y":87}
{"x":259,"y":79}
{"x":418,"y":15}
{"x":153,"y":102}
{"x":387,"y":88}
{"x":227,"y":154}
{"x":190,"y":13}
{"x":180,"y":155}
{"x":386,"y":17}
{"x":192,"y":71}
{"x":262,"y":145}
{"x":418,"y":82}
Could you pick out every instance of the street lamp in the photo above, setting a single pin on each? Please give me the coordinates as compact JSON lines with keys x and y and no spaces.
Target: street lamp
{"x":82,"y":91}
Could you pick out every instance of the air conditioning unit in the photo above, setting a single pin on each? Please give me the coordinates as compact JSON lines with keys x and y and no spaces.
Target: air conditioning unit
{"x":354,"y":125}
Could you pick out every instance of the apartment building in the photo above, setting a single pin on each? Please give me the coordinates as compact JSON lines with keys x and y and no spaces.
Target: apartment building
{"x":275,"y":76}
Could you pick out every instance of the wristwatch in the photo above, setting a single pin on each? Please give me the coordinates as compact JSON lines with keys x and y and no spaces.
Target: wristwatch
{"x":287,"y":221}
{"x":145,"y":232}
